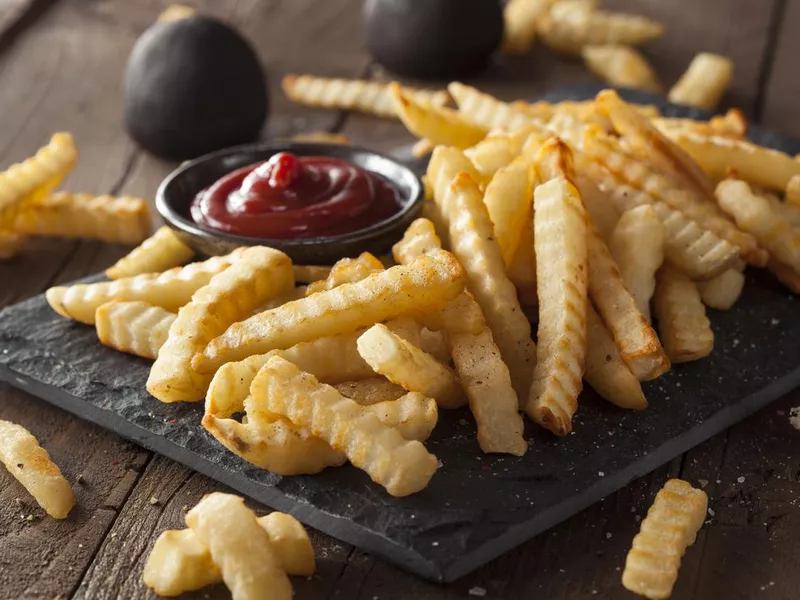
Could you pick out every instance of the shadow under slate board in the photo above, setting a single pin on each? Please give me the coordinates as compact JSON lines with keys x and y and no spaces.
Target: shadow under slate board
{"x":476,"y":506}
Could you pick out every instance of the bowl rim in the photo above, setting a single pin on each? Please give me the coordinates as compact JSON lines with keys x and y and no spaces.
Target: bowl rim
{"x":175,"y":219}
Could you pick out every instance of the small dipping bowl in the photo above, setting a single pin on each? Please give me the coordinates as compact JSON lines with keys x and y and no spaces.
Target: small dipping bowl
{"x":177,"y":192}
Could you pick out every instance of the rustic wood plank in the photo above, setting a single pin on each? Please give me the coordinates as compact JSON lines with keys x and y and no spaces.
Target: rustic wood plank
{"x":782,"y":87}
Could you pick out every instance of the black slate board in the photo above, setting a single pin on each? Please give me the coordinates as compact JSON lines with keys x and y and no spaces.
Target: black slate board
{"x":476,"y":507}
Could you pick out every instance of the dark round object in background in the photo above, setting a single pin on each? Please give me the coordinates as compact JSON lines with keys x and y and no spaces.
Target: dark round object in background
{"x":432,"y":38}
{"x":192,"y":86}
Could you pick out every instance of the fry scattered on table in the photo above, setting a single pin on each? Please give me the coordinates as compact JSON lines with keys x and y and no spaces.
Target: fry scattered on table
{"x":621,"y":66}
{"x":705,"y":81}
{"x":161,"y":251}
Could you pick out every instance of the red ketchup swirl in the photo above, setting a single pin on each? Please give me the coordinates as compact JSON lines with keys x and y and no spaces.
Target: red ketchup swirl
{"x":296,"y":197}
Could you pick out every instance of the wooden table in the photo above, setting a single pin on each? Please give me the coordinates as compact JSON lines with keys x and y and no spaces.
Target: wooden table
{"x":61,"y":65}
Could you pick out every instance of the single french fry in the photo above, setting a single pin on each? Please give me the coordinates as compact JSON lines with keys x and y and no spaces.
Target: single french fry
{"x":561,"y":274}
{"x":176,"y":12}
{"x":370,"y":391}
{"x":521,"y":21}
{"x":36,"y":177}
{"x":445,"y":164}
{"x":723,"y":291}
{"x":259,"y":273}
{"x":605,"y":370}
{"x":508,"y":199}
{"x":170,"y":290}
{"x":369,"y":97}
{"x":473,"y":243}
{"x":413,"y":415}
{"x":408,"y":366}
{"x":483,"y":375}
{"x":621,"y":66}
{"x":705,"y":81}
{"x":492,"y":153}
{"x":30,"y":464}
{"x":161,"y":251}
{"x":347,"y":270}
{"x":637,"y":341}
{"x":429,"y":282}
{"x":487,"y":111}
{"x":240,"y":548}
{"x":754,"y":215}
{"x":732,"y":124}
{"x":401,"y":466}
{"x":439,"y":125}
{"x":321,"y":137}
{"x":117,"y":220}
{"x":671,"y":525}
{"x":310,"y":273}
{"x":600,"y":207}
{"x":637,"y":246}
{"x":682,"y":321}
{"x":422,"y":148}
{"x":136,"y":328}
{"x":522,"y":270}
{"x":179,"y":563}
{"x":11,"y":243}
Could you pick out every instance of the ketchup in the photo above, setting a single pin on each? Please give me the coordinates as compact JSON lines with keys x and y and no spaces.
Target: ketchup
{"x":295,"y":197}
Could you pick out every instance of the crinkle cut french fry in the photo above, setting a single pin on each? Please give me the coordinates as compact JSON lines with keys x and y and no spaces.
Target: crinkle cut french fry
{"x":695,"y":250}
{"x":116,"y":220}
{"x":605,"y":371}
{"x":429,"y":282}
{"x":521,"y":21}
{"x":30,"y":464}
{"x":621,"y":66}
{"x":370,"y":391}
{"x":492,"y":153}
{"x":136,"y":328}
{"x":170,"y":290}
{"x":443,"y":167}
{"x":369,"y":97}
{"x":439,"y":125}
{"x":11,"y":243}
{"x":401,"y":466}
{"x":161,"y":251}
{"x":637,"y":341}
{"x":259,"y":273}
{"x":35,"y":177}
{"x":723,"y":291}
{"x":561,"y":274}
{"x":487,"y":111}
{"x":239,"y":547}
{"x":705,"y":81}
{"x":599,"y":205}
{"x":637,"y":246}
{"x":473,"y":243}
{"x":408,"y":366}
{"x":347,"y":270}
{"x":179,"y":563}
{"x":483,"y":374}
{"x":682,"y":321}
{"x":732,"y":124}
{"x":753,"y":214}
{"x":522,"y":270}
{"x":508,"y":199}
{"x":671,"y":525}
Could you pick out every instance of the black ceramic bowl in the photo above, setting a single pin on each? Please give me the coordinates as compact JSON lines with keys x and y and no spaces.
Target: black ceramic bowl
{"x":177,"y":191}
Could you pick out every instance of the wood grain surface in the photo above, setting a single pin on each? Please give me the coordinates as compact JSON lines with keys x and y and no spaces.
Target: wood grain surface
{"x":61,"y":65}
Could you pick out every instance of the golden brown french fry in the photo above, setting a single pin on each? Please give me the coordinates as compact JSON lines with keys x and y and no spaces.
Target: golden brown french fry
{"x":259,"y":273}
{"x":439,"y":125}
{"x":792,"y":193}
{"x":732,"y":124}
{"x":605,"y":370}
{"x":671,"y":525}
{"x":179,"y":563}
{"x":369,"y":391}
{"x":621,"y":66}
{"x":239,"y":547}
{"x":753,"y":214}
{"x":561,"y":273}
{"x":682,"y":321}
{"x":508,"y":199}
{"x":521,"y":21}
{"x":370,"y":97}
{"x":422,"y":148}
{"x":473,"y":243}
{"x":136,"y":328}
{"x":443,"y":167}
{"x":429,"y":282}
{"x":170,"y":290}
{"x":522,"y":270}
{"x":637,"y":341}
{"x":492,"y":153}
{"x":30,"y":464}
{"x":35,"y":177}
{"x":175,"y":12}
{"x":11,"y":243}
{"x":321,"y":137}
{"x":161,"y":251}
{"x":705,"y":81}
{"x":723,"y":291}
{"x":487,"y":111}
{"x":117,"y":220}
{"x":600,"y":207}
{"x":401,"y":466}
{"x":347,"y":270}
{"x":637,"y":246}
{"x":408,"y":366}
